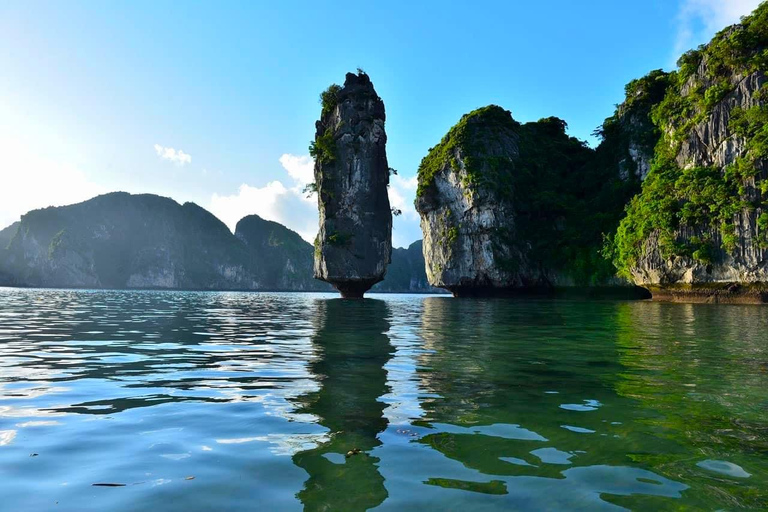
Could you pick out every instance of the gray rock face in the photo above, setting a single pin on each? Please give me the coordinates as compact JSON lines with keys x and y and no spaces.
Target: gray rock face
{"x":354,"y":243}
{"x":469,"y":232}
{"x":710,"y":142}
{"x":629,"y":136}
{"x":641,"y":159}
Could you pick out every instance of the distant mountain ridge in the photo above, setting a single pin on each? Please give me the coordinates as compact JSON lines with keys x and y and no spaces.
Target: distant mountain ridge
{"x":406,"y":272}
{"x":279,"y":255}
{"x":121,"y":240}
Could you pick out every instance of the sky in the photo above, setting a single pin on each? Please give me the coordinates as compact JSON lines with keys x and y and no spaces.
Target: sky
{"x":215,"y":102}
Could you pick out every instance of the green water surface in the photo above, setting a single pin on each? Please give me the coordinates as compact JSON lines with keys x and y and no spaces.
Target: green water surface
{"x":247,"y":401}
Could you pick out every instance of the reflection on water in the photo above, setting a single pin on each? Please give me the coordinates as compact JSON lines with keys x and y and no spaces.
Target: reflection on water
{"x":350,"y":370}
{"x":288,"y":401}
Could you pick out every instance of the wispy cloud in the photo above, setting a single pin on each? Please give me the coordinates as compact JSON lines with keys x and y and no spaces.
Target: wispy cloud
{"x":178,"y":157}
{"x":699,"y":20}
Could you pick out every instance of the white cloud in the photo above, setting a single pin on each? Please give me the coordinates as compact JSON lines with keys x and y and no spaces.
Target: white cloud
{"x":300,"y":168}
{"x":402,"y":192}
{"x":699,"y":20}
{"x":178,"y":157}
{"x":29,"y":180}
{"x":290,"y":206}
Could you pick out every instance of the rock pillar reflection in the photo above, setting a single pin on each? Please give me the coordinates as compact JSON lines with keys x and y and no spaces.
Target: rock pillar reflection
{"x":353,"y":349}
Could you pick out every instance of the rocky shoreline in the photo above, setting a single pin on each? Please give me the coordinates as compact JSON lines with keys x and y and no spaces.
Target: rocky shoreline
{"x":713,"y":293}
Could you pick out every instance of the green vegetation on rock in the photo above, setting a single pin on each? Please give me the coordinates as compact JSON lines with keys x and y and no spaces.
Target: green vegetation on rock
{"x":672,"y":197}
{"x":463,"y":138}
{"x":339,"y":239}
{"x":631,"y":124}
{"x":705,"y":200}
{"x":323,"y":148}
{"x":563,"y":201}
{"x":329,"y":98}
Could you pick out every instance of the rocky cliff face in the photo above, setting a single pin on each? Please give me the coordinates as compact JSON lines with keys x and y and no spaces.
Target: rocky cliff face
{"x":698,"y":230}
{"x":630,"y":136}
{"x":469,"y":224}
{"x":353,"y":246}
{"x":6,"y":235}
{"x":509,"y":208}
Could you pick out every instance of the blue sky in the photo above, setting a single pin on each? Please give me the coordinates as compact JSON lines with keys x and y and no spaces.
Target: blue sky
{"x":216,"y":103}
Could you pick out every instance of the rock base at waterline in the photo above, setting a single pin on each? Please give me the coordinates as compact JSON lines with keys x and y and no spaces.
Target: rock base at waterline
{"x":715,"y":293}
{"x":598,"y":292}
{"x":354,"y":289}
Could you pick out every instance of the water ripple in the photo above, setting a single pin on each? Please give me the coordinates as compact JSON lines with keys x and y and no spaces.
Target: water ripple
{"x":213,"y":400}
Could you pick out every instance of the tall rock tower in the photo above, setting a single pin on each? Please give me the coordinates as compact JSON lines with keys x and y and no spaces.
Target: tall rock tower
{"x":354,"y":244}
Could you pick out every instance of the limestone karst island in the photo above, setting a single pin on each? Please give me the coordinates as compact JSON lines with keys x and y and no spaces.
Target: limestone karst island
{"x":491,"y":256}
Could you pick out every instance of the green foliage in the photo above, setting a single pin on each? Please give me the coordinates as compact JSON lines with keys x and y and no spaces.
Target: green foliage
{"x":762,"y":230}
{"x":688,"y":63}
{"x":736,"y":50}
{"x":309,"y":189}
{"x":567,"y":198}
{"x":329,"y":98}
{"x":339,"y":239}
{"x":646,"y":91}
{"x":632,"y":122}
{"x":752,"y":125}
{"x":715,"y":93}
{"x":704,"y":254}
{"x":671,"y":197}
{"x":323,"y":148}
{"x":453,"y":234}
{"x":741,"y":47}
{"x":466,"y":137}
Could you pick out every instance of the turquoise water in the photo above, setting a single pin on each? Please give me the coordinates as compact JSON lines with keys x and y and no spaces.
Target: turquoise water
{"x":222,"y":401}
